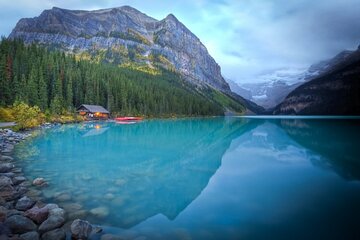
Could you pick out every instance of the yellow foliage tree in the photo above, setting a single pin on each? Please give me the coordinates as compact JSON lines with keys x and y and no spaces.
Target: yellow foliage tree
{"x":24,"y":115}
{"x":6,"y":115}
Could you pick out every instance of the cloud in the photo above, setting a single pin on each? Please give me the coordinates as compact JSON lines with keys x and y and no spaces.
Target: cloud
{"x":247,"y":38}
{"x":286,"y":34}
{"x":234,"y":53}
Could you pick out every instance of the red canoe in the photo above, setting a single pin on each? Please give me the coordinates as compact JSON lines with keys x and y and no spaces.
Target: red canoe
{"x":126,"y":122}
{"x":128,"y":119}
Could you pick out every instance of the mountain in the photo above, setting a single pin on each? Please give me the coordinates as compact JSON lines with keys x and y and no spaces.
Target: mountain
{"x":124,"y":36}
{"x":271,"y":89}
{"x":326,"y":65}
{"x":243,"y":96}
{"x":268,"y":94}
{"x":335,"y":91}
{"x":239,"y":90}
{"x":58,"y":83}
{"x":127,"y":38}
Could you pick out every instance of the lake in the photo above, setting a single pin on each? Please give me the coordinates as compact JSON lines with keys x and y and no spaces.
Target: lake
{"x":206,"y":178}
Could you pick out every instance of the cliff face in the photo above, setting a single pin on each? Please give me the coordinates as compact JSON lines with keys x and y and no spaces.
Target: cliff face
{"x":335,"y":92}
{"x":122,"y":36}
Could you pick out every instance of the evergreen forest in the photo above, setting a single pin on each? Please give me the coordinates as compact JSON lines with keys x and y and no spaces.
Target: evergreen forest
{"x":57,"y":82}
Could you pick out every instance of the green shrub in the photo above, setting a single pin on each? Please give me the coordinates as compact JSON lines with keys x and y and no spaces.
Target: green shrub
{"x":66,"y":117}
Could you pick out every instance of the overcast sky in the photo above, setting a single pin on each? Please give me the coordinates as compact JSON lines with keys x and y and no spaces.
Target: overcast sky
{"x":247,"y":38}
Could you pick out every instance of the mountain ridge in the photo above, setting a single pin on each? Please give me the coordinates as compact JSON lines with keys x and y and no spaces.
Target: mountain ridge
{"x":276,"y":86}
{"x":335,"y":91}
{"x":126,"y":37}
{"x":79,"y":30}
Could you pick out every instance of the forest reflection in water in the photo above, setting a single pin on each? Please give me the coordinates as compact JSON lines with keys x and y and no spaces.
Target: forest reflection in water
{"x":193,"y":171}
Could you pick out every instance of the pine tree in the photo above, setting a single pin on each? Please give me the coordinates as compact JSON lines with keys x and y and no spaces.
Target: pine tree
{"x":56,"y":105}
{"x":42,"y":91}
{"x":22,"y":96}
{"x":32,"y":87}
{"x":69,"y":92}
{"x":3,"y":83}
{"x":16,"y":88}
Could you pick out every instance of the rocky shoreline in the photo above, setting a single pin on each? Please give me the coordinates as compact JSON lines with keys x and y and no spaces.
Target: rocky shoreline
{"x":24,"y":217}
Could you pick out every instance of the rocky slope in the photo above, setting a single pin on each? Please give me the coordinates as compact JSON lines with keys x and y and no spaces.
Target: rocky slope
{"x":239,"y":90}
{"x":272,"y":88}
{"x":336,"y":90}
{"x":268,"y":94}
{"x":323,"y":67}
{"x":124,"y":36}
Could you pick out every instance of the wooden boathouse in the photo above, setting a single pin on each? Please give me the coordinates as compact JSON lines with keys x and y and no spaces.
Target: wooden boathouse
{"x":93,"y":112}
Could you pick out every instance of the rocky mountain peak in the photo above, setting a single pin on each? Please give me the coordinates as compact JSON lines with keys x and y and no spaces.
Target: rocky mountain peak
{"x":135,"y":36}
{"x":128,"y":8}
{"x":171,"y":17}
{"x":333,"y":91}
{"x":136,"y":14}
{"x":56,"y":9}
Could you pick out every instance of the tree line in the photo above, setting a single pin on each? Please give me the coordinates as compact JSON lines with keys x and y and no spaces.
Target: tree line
{"x":58,"y":82}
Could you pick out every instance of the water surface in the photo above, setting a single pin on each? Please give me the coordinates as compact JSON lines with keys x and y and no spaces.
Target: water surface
{"x":212,"y":178}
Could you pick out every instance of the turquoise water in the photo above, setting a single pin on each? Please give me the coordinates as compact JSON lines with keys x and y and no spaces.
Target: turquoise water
{"x":212,"y":178}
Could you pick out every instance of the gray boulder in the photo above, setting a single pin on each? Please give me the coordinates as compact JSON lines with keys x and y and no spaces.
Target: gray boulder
{"x":7,"y":191}
{"x":21,"y":191}
{"x":3,"y":214}
{"x":5,"y":181}
{"x":57,"y":212}
{"x":24,"y":203}
{"x":39,"y":181}
{"x":51,"y":206}
{"x":6,"y":158}
{"x":56,"y":234}
{"x":8,"y":174}
{"x":4,"y":231}
{"x":19,"y":179}
{"x":51,"y":223}
{"x":38,"y":215}
{"x":30,"y":236}
{"x":13,"y":212}
{"x":80,"y":229}
{"x":20,"y":224}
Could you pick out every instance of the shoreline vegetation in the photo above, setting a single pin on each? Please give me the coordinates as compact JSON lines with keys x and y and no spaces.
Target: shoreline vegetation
{"x":27,"y":117}
{"x":57,"y":83}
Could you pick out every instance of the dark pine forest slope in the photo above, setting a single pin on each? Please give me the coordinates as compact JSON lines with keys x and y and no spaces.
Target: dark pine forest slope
{"x":334,"y":92}
{"x":56,"y":81}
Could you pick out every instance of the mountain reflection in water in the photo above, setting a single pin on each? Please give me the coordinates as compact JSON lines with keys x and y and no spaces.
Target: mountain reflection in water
{"x":336,"y":141}
{"x":205,"y":178}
